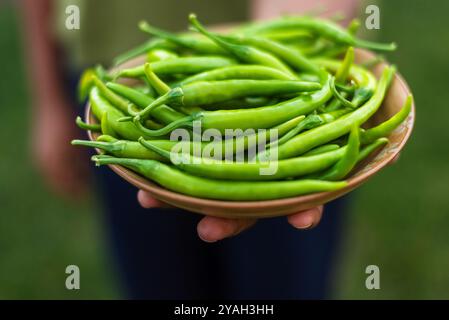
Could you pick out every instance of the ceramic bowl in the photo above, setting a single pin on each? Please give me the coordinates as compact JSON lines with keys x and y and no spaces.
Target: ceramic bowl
{"x":261,"y":209}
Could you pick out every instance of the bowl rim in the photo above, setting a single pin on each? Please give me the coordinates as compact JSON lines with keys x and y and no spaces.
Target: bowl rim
{"x":353,"y":181}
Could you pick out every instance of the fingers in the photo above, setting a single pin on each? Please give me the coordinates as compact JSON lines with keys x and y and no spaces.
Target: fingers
{"x":212,"y":229}
{"x":307,"y":219}
{"x":147,"y":201}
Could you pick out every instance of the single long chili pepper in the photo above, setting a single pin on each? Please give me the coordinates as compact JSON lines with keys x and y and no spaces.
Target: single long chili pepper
{"x":262,"y":117}
{"x":389,"y":125}
{"x":249,"y":171}
{"x":203,"y":93}
{"x":244,"y":53}
{"x":163,"y":113}
{"x":347,"y":162}
{"x":85,"y":126}
{"x":328,"y":132}
{"x":128,"y":149}
{"x":199,"y":45}
{"x":254,"y":72}
{"x":182,"y":65}
{"x":178,"y":181}
{"x":292,"y":57}
{"x":324,"y":28}
{"x":133,"y":149}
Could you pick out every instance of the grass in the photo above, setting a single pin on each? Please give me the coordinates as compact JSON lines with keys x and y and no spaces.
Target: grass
{"x":398,"y":220}
{"x":40,"y":234}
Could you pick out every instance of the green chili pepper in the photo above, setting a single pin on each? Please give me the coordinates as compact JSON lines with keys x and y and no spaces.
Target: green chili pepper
{"x":348,"y":161}
{"x":389,"y":125}
{"x":244,"y":53}
{"x":203,"y":93}
{"x":199,"y":45}
{"x":324,"y":28}
{"x":254,"y":72}
{"x":128,"y":149}
{"x":226,"y":170}
{"x":292,"y":57}
{"x":178,"y":181}
{"x":182,"y":65}
{"x":328,"y":132}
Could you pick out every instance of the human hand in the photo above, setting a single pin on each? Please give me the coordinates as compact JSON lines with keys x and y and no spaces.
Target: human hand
{"x":212,"y":229}
{"x":64,"y":168}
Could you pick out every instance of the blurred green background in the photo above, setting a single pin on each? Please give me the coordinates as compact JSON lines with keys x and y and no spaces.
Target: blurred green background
{"x":398,"y":221}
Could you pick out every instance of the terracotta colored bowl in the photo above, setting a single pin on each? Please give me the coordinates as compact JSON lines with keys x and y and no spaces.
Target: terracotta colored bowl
{"x":271,"y":208}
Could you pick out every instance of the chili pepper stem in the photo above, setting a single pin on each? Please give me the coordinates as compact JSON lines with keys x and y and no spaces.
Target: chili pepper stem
{"x":187,"y":121}
{"x":85,"y":126}
{"x":175,"y":96}
{"x":375,"y":46}
{"x":128,"y":162}
{"x":106,"y":146}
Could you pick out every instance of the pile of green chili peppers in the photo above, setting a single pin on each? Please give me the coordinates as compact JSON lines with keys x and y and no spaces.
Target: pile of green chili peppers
{"x":289,"y":87}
